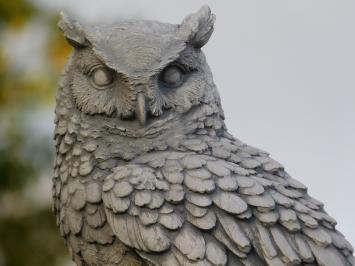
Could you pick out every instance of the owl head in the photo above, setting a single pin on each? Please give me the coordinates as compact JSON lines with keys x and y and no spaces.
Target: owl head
{"x":137,"y":72}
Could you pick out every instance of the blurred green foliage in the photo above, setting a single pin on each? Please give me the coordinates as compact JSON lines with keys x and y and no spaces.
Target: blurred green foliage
{"x":15,"y":13}
{"x":31,"y":240}
{"x":28,"y":234}
{"x":13,"y":165}
{"x":21,"y":156}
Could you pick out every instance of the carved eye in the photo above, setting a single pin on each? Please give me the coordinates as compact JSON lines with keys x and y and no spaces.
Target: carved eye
{"x":172,"y":76}
{"x":102,"y":77}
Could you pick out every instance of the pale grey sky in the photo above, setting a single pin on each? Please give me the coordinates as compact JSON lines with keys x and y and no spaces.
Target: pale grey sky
{"x":286,"y":73}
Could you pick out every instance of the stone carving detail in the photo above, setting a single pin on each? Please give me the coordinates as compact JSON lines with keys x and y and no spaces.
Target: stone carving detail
{"x":146,"y":172}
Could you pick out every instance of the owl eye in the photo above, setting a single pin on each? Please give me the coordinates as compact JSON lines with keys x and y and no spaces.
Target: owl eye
{"x":102,"y":77}
{"x":172,"y":76}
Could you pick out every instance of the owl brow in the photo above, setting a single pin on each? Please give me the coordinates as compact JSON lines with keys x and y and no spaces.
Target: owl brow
{"x":87,"y":68}
{"x":184,"y":64}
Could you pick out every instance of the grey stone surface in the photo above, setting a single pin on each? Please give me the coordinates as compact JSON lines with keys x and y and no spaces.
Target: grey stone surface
{"x":146,"y":172}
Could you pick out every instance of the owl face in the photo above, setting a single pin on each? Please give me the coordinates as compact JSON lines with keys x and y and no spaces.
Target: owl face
{"x":140,"y":72}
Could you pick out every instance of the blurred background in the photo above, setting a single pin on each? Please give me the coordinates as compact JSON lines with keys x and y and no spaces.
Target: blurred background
{"x":285,"y":71}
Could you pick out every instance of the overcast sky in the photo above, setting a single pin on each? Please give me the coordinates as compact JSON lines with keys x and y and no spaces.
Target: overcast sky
{"x":286,"y":74}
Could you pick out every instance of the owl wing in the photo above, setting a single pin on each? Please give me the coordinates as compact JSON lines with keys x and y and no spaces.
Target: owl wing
{"x":234,"y":206}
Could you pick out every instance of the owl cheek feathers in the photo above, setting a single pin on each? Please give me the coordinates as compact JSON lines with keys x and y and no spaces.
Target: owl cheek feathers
{"x":195,"y":30}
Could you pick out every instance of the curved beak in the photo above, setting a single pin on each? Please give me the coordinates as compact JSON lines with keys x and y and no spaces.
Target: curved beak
{"x":141,"y":112}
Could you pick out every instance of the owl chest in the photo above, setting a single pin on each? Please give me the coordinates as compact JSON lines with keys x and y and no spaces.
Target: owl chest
{"x":80,"y":209}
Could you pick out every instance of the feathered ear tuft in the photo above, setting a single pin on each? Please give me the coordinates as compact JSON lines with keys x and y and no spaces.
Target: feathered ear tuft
{"x":198,"y":27}
{"x":73,"y":31}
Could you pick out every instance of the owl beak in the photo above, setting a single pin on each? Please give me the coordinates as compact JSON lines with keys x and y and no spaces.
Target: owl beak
{"x":141,"y":113}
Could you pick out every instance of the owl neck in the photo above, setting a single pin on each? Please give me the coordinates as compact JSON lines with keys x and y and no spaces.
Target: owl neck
{"x":204,"y":120}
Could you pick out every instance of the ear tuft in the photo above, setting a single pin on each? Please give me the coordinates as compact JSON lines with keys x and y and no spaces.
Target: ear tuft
{"x":198,"y":27}
{"x":73,"y":31}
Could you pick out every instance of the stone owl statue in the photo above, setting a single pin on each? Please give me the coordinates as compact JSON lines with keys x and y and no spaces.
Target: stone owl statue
{"x":146,"y":172}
